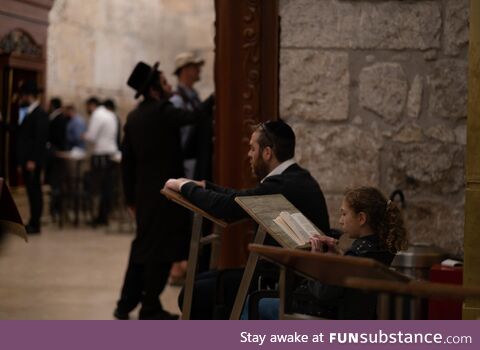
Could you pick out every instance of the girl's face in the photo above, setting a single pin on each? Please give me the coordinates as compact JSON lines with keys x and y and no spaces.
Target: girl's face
{"x":351,"y":222}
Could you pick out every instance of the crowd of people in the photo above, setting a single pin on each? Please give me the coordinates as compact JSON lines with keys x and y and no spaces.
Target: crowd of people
{"x":167,"y":142}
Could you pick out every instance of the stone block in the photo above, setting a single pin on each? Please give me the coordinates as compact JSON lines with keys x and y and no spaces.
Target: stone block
{"x":428,"y":168}
{"x":447,"y":80}
{"x":461,"y":134}
{"x":438,"y":223}
{"x":455,"y":27}
{"x":360,"y":24}
{"x":414,"y":104}
{"x":70,"y":56}
{"x":314,"y":85}
{"x":409,"y":134}
{"x":338,"y":156}
{"x":441,"y":132}
{"x":383,"y":90}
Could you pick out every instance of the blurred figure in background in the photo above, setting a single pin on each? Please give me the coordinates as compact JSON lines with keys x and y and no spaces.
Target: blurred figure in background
{"x":76,"y":127}
{"x":102,"y":133}
{"x":54,"y":169}
{"x":31,"y":149}
{"x":112,"y":107}
{"x":196,"y":139}
{"x":151,"y":153}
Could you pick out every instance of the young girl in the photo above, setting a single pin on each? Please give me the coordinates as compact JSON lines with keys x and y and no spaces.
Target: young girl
{"x":375,"y":223}
{"x":377,"y":226}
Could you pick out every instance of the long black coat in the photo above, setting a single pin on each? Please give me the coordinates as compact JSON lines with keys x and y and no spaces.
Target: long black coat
{"x":32,"y":136}
{"x":151,"y":154}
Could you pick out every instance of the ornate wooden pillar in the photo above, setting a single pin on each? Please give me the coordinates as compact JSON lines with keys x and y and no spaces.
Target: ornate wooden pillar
{"x":471,"y":275}
{"x":246,"y":86}
{"x":23,"y":41}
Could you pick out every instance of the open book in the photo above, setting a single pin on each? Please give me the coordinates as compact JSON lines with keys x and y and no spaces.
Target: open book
{"x":297,"y":227}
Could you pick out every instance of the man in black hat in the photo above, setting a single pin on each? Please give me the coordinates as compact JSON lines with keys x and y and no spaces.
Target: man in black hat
{"x":32,"y":138}
{"x":151,"y":154}
{"x":271,"y":154}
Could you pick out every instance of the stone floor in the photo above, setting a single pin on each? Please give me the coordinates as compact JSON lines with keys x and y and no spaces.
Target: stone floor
{"x":66,"y":274}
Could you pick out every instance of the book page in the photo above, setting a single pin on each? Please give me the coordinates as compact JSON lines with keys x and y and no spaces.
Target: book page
{"x":296,"y":223}
{"x":280,"y":222}
{"x":306,"y":226}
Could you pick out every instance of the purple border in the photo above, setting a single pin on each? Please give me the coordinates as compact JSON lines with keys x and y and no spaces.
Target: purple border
{"x":225,"y":335}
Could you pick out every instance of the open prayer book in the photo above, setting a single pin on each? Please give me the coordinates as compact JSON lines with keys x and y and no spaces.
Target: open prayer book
{"x":297,"y":227}
{"x":267,"y":211}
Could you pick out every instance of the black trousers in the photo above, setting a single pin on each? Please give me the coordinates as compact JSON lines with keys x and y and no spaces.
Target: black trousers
{"x":143,"y":283}
{"x":103,"y":178}
{"x":34,"y":193}
{"x":214,"y":294}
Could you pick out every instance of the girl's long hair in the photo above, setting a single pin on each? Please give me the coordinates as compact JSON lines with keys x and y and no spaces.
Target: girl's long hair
{"x":383,"y":216}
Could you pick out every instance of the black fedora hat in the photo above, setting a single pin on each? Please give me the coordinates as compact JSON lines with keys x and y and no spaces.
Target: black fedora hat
{"x":141,"y":77}
{"x":29,"y":87}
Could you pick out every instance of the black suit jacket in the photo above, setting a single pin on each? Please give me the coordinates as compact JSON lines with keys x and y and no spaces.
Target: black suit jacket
{"x":295,"y":183}
{"x":32,"y":136}
{"x":57,"y":134}
{"x":151,"y":154}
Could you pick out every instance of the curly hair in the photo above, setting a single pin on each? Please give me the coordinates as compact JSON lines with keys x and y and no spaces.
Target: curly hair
{"x":384,"y":217}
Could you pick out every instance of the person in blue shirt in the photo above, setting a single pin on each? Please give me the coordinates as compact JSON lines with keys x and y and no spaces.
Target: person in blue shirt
{"x":76,"y":127}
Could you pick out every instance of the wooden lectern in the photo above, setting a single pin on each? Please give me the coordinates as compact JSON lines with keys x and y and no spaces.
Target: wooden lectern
{"x":10,"y":220}
{"x":196,"y":242}
{"x":359,"y":273}
{"x":263,"y":209}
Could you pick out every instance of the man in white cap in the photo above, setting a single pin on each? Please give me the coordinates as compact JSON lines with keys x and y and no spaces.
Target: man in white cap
{"x":187,"y":69}
{"x":195,"y":139}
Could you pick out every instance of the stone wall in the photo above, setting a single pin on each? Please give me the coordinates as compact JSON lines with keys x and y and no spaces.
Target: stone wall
{"x":377,"y":94}
{"x":94,"y":45}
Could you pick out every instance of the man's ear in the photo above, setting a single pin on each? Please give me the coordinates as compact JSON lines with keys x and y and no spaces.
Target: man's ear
{"x":362,"y":218}
{"x":267,"y":153}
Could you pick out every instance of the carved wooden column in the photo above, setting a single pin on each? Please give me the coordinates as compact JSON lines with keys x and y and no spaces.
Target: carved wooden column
{"x":246,"y":86}
{"x":23,"y":41}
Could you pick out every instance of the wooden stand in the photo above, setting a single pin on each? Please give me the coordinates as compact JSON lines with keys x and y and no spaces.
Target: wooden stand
{"x":263,"y":209}
{"x":196,"y":242}
{"x":10,"y":220}
{"x":359,"y":273}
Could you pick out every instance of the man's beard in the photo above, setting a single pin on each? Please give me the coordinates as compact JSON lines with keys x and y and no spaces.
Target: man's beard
{"x":260,"y":169}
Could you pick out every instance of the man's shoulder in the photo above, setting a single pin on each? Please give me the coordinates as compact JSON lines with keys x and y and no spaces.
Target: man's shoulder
{"x":39,"y":111}
{"x":294,"y":177}
{"x":293,"y":171}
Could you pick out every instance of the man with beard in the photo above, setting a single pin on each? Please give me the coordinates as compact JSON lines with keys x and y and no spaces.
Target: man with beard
{"x":272,"y":150}
{"x":151,"y":153}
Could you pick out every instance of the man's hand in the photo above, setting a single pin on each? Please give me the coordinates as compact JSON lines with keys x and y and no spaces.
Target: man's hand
{"x":319,"y":242}
{"x":176,"y":184}
{"x":30,"y":165}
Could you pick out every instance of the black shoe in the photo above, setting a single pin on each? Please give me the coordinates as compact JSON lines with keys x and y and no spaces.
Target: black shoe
{"x":159,"y":315}
{"x":32,"y":230}
{"x":120,"y":315}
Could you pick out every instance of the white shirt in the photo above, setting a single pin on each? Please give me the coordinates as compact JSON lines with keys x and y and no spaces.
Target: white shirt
{"x":33,"y":106}
{"x":102,"y":131}
{"x":280,"y":168}
{"x":24,"y":111}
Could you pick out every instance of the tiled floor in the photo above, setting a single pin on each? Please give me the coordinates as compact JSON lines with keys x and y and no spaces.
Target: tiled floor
{"x":66,"y":274}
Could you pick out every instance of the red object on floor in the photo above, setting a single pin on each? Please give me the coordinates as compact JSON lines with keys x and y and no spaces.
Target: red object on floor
{"x":443,"y":309}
